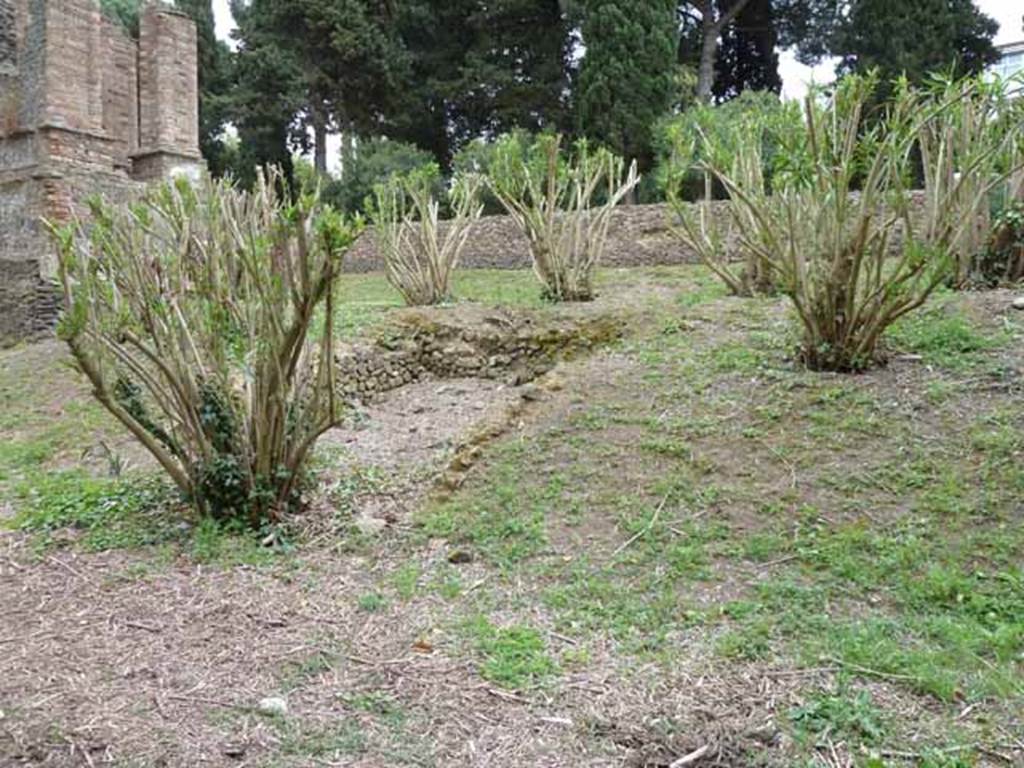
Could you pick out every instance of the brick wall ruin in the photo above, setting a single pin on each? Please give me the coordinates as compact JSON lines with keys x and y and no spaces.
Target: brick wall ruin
{"x":84,"y":109}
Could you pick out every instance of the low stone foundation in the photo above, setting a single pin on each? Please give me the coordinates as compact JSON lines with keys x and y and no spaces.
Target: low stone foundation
{"x":469,"y":342}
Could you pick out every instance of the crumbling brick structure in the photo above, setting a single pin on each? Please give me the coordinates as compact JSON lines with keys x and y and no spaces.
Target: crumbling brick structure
{"x":84,"y":109}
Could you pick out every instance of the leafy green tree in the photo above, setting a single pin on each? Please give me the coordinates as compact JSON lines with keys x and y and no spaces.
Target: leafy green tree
{"x":703,"y":24}
{"x":307,"y":66}
{"x":911,"y":37}
{"x":627,"y":78}
{"x":352,"y":66}
{"x":125,"y":12}
{"x":268,"y":89}
{"x":482,"y":69}
{"x":914,"y":38}
{"x":366,"y":163}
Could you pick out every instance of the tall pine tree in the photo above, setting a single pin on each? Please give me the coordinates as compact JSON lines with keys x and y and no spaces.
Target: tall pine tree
{"x":307,"y":66}
{"x":481,"y":69}
{"x":627,"y":77}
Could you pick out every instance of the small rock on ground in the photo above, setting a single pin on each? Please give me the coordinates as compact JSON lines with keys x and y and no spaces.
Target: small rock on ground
{"x":272,"y":705}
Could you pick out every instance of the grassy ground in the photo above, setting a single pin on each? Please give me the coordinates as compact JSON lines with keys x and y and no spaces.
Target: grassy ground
{"x":689,"y":543}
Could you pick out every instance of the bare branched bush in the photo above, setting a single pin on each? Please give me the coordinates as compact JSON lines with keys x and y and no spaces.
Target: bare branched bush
{"x":709,"y":227}
{"x":419,"y":252}
{"x":745,"y":139}
{"x":191,"y":314}
{"x":838,"y":231}
{"x":564,"y":205}
{"x":968,"y":157}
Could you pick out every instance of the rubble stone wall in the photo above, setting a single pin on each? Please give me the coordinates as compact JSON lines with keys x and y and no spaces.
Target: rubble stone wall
{"x":639,"y":236}
{"x":511,"y":346}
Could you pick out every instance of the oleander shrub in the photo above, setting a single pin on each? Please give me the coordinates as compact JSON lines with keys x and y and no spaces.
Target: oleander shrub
{"x":476,"y":157}
{"x":563,"y":202}
{"x":420,"y":252}
{"x":366,"y":162}
{"x":970,"y":160}
{"x":839,"y":233}
{"x":716,"y":127}
{"x":191,"y":313}
{"x":745,"y":139}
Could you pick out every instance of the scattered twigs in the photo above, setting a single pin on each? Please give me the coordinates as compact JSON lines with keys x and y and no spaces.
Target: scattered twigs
{"x":870,"y":672}
{"x":643,"y":531}
{"x":691,"y":758}
{"x":506,"y":696}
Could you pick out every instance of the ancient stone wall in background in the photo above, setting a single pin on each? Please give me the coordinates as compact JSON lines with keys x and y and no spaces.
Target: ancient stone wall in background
{"x":639,"y":236}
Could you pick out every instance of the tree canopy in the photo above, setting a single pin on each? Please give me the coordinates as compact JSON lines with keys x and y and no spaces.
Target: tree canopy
{"x":439,"y":74}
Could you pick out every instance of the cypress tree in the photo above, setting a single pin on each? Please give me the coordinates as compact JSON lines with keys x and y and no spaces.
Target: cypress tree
{"x":626,"y":79}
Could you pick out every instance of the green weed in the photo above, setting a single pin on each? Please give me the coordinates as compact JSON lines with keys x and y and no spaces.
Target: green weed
{"x":515,"y":657}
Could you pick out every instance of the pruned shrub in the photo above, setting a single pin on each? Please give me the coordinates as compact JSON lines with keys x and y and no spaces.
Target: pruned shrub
{"x":192,"y":313}
{"x":709,"y":227}
{"x":969,"y":156}
{"x":706,"y":127}
{"x":476,"y":157}
{"x":563,"y":203}
{"x":838,"y":231}
{"x":419,"y":252}
{"x":746,"y":141}
{"x":1003,"y":262}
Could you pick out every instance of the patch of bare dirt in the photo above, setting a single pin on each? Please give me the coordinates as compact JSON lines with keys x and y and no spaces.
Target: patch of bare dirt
{"x":417,"y":426}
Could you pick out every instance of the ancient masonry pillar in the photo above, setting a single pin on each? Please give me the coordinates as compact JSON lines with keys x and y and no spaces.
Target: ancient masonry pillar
{"x":9,"y":98}
{"x":64,"y":48}
{"x":168,"y":95}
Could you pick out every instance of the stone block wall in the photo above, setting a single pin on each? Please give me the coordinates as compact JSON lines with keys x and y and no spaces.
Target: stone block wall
{"x":469,"y":342}
{"x":168,"y":93}
{"x":121,"y":95}
{"x":70,"y":34}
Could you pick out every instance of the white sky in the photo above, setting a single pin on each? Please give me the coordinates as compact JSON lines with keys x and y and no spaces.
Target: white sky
{"x":795,"y":76}
{"x":223,"y":15}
